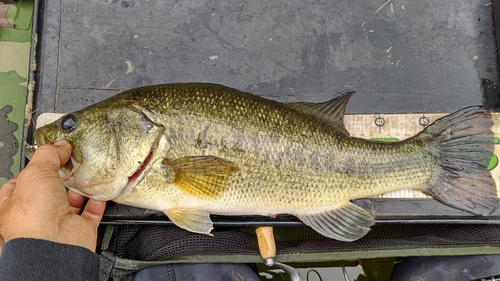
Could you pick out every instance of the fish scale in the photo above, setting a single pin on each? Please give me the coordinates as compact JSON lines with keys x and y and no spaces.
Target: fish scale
{"x":196,"y":149}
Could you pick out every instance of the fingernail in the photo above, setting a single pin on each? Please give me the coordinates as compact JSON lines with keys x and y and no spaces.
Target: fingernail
{"x":61,"y":143}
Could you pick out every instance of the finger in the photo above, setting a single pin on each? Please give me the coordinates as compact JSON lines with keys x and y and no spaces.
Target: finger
{"x":76,"y":202}
{"x":41,"y":173}
{"x":52,"y":156}
{"x":94,"y":211}
{"x":7,"y":189}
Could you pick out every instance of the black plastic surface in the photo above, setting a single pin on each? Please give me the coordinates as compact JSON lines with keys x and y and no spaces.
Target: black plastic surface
{"x":385,"y":211}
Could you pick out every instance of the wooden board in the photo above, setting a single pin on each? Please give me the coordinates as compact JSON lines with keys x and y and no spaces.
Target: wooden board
{"x":382,"y":126}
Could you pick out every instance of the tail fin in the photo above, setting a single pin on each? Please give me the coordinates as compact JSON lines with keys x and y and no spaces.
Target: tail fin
{"x":462,"y":143}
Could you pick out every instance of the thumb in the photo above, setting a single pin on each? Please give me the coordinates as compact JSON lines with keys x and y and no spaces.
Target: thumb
{"x":63,"y":150}
{"x":54,"y":155}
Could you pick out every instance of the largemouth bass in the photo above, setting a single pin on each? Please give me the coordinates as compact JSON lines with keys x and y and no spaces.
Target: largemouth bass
{"x":196,"y":149}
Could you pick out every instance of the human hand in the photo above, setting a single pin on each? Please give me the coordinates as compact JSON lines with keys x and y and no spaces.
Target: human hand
{"x":35,"y":203}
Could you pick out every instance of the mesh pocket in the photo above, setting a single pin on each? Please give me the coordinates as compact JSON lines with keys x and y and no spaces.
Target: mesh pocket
{"x":166,"y":242}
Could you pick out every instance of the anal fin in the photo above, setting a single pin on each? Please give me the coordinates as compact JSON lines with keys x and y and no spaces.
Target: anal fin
{"x":194,"y":220}
{"x":347,"y":223}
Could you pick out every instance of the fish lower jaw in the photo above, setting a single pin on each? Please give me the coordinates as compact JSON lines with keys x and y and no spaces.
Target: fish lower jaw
{"x":94,"y":196}
{"x":97,"y":189}
{"x":77,"y":191}
{"x":101,"y":196}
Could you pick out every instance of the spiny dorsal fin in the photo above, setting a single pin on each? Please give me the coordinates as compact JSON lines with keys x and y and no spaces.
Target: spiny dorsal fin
{"x":194,"y":220}
{"x":347,"y":223}
{"x":202,"y":176}
{"x":332,"y":110}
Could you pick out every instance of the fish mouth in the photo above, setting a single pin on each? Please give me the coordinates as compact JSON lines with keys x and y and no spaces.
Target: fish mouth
{"x":132,"y":179}
{"x":69,"y":168}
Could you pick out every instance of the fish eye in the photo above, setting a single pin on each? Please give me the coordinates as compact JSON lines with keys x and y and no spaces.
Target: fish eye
{"x":68,"y":123}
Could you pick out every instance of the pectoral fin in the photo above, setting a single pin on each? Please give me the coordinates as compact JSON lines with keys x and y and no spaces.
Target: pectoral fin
{"x":202,"y":176}
{"x":193,"y":220}
{"x":347,"y":223}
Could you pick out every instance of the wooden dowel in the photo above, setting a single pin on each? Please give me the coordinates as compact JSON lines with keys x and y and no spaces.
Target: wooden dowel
{"x":267,"y":245}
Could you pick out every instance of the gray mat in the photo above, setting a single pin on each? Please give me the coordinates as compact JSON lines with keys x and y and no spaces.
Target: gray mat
{"x":399,"y":56}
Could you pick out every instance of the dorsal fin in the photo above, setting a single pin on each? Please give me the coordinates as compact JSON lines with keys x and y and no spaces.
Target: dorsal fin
{"x":332,"y":110}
